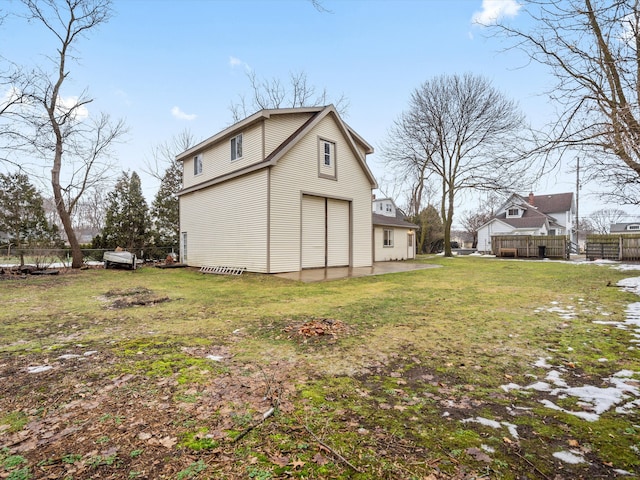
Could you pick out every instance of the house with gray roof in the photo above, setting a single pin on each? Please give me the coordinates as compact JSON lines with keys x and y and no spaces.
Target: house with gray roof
{"x":394,"y":238}
{"x":625,"y":228}
{"x":550,"y":214}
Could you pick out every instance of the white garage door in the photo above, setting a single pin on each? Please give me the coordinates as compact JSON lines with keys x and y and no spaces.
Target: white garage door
{"x":325,"y":232}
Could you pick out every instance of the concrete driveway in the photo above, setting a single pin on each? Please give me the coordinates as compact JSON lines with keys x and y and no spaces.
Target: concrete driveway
{"x":336,"y":273}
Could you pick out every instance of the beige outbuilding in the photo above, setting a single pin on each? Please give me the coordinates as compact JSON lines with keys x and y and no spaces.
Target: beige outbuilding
{"x":280,"y":191}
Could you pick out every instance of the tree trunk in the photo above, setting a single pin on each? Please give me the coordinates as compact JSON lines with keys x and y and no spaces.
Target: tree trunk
{"x":448,"y":220}
{"x":65,"y":217}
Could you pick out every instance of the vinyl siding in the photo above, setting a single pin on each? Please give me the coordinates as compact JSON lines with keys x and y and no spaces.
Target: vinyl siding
{"x":216,"y":161}
{"x":400,"y":249}
{"x":297,"y":173}
{"x":227,"y":224}
{"x":279,"y":127}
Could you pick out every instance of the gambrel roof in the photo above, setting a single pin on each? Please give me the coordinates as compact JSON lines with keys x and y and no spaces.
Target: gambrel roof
{"x":317,"y":114}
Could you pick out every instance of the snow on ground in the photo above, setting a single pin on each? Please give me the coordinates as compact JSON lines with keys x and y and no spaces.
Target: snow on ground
{"x":494,"y":424}
{"x":619,"y":391}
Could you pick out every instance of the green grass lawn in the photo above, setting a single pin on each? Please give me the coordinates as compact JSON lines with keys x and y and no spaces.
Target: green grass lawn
{"x":411,"y":383}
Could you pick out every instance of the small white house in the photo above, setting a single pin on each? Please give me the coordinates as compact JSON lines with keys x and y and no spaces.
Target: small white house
{"x":393,"y":237}
{"x":536,"y":215}
{"x":280,"y":191}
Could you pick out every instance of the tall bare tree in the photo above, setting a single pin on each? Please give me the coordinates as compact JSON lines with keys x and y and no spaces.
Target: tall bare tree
{"x":592,"y":48}
{"x":463,"y":132}
{"x":600,"y":221}
{"x":59,"y":128}
{"x":275,"y":93}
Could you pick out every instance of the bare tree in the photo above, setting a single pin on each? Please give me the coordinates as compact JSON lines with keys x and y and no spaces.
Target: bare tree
{"x":57,"y":128}
{"x":600,"y":221}
{"x":163,"y":155}
{"x":463,"y":132}
{"x":15,"y":100}
{"x":592,"y":48}
{"x":298,"y":92}
{"x":472,"y":220}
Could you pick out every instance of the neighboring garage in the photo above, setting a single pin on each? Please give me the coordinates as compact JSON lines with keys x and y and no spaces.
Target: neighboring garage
{"x":326,"y":232}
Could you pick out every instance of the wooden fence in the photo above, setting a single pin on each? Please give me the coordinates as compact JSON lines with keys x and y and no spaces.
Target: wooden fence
{"x":526,"y":246}
{"x":613,"y":247}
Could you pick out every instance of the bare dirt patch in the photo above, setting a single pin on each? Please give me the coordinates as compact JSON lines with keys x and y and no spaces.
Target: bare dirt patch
{"x":132,"y":297}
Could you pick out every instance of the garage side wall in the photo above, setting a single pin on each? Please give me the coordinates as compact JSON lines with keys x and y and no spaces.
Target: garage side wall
{"x":227,"y":225}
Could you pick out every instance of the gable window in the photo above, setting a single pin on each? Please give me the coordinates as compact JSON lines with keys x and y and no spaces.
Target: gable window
{"x":327,"y":154}
{"x":236,"y":147}
{"x":513,"y":212}
{"x":326,"y":159}
{"x":387,"y":240}
{"x":197,"y":164}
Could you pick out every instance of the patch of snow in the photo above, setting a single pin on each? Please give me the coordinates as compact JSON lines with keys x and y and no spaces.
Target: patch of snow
{"x":542,"y":363}
{"x":540,"y":387}
{"x":619,"y":471}
{"x":572,"y":457}
{"x":482,"y":421}
{"x":589,"y":417}
{"x":68,"y":356}
{"x":215,"y":358}
{"x":603,"y":360}
{"x":494,"y":424}
{"x":39,"y":369}
{"x":487,"y":448}
{"x":90,"y":352}
{"x":510,"y":386}
{"x":626,"y":267}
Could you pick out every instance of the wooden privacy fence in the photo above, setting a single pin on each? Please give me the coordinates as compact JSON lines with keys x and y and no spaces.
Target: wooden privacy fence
{"x":525,"y":246}
{"x":613,"y":247}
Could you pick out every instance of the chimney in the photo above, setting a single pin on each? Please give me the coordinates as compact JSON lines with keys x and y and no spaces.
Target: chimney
{"x":531,"y":198}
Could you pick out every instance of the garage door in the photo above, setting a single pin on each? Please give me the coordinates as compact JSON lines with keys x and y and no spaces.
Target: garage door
{"x":325,"y":232}
{"x":313,"y":232}
{"x":337,"y":233}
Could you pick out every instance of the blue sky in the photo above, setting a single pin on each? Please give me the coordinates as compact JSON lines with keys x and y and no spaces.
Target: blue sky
{"x":165,"y":66}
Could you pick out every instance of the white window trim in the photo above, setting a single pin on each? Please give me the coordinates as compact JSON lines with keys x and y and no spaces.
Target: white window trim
{"x":235,"y":142}
{"x":389,"y":243}
{"x":329,"y":170}
{"x":197,"y":165}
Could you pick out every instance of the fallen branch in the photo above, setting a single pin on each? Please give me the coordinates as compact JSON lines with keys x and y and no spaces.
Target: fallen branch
{"x":529,"y":462}
{"x":273,"y":394}
{"x":344,"y":460}
{"x":265,"y":415}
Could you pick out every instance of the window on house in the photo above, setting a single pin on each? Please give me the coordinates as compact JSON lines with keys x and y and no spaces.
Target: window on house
{"x":513,"y":212}
{"x":184,"y":246}
{"x":236,"y":147}
{"x":633,"y":227}
{"x":197,"y":164}
{"x":387,"y":238}
{"x":327,"y":153}
{"x":380,"y":206}
{"x":388,"y":207}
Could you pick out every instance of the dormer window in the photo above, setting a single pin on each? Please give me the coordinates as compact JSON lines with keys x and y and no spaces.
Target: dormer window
{"x":514,"y":213}
{"x":633,"y":227}
{"x":389,"y":207}
{"x":236,"y":147}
